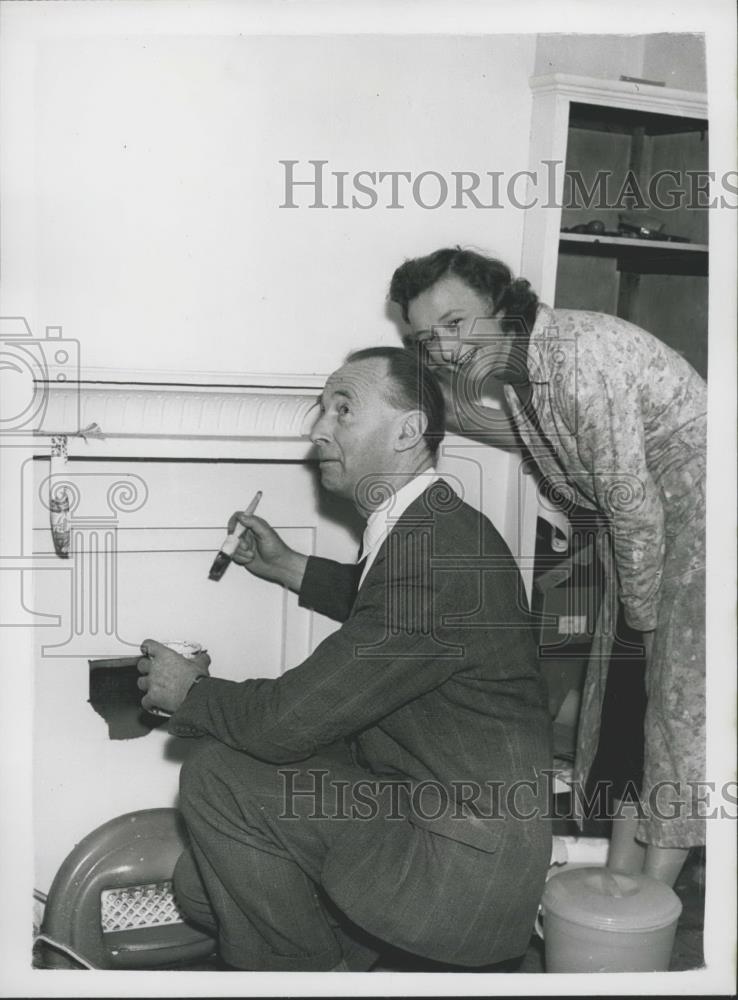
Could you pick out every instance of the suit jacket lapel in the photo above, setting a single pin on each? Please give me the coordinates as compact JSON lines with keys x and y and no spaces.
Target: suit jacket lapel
{"x":419,"y":512}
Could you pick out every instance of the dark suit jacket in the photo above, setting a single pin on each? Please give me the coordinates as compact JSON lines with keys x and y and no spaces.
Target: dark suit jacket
{"x":433,"y":678}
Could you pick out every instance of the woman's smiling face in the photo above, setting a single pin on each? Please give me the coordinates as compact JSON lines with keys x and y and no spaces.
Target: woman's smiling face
{"x":453,"y":324}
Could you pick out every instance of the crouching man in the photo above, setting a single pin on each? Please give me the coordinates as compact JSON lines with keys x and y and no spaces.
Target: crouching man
{"x":392,"y":788}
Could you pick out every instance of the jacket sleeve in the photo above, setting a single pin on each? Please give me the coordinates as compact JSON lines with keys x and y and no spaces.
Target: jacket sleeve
{"x":329,"y":587}
{"x":385,"y":655}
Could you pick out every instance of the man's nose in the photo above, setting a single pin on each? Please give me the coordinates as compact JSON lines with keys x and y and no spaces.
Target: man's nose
{"x":320,"y":432}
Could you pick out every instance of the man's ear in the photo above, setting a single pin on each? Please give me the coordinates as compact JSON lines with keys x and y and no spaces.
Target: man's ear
{"x":411,"y":429}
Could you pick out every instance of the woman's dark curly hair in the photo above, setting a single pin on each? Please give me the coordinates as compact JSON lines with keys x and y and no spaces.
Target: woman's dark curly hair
{"x":513,"y":297}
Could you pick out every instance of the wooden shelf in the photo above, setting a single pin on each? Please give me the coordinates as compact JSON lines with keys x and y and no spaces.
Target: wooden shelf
{"x":634,"y":241}
{"x":599,"y":118}
{"x":639,"y":256}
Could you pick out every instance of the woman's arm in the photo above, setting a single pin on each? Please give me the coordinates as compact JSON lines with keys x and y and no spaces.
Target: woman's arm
{"x":611,"y":443}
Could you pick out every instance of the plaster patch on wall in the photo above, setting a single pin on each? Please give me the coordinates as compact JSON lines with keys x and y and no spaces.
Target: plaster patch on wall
{"x":115,"y":696}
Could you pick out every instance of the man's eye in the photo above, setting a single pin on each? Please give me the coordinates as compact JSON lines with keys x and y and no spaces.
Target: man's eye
{"x":343,"y":410}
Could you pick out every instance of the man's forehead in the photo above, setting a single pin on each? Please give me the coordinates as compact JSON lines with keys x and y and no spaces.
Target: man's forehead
{"x":357,"y":378}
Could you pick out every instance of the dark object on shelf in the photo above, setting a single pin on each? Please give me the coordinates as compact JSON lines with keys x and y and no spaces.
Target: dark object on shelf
{"x":637,"y":224}
{"x":594,"y":228}
{"x":645,"y":227}
{"x":631,"y":232}
{"x":638,"y":79}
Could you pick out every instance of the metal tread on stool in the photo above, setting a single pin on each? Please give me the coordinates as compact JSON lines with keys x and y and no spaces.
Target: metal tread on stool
{"x":111,"y":900}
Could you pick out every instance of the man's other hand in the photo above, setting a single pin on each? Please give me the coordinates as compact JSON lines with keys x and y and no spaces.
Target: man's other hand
{"x":166,"y":677}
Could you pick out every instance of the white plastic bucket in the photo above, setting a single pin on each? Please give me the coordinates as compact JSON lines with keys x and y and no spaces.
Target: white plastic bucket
{"x":595,"y":920}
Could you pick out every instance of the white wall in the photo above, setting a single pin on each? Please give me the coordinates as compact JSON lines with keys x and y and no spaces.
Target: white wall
{"x":602,"y":56}
{"x":150,"y":228}
{"x":676,"y":59}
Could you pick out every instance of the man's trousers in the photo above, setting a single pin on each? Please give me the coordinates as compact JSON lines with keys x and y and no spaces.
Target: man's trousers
{"x":306,"y":865}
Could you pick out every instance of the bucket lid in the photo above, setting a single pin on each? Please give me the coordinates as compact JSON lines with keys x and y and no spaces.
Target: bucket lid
{"x":600,"y":898}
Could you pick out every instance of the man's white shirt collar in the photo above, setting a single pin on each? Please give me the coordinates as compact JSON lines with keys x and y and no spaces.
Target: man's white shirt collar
{"x":382,"y":521}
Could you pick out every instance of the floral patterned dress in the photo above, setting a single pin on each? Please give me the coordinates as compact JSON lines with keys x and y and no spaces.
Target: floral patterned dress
{"x":617,"y":423}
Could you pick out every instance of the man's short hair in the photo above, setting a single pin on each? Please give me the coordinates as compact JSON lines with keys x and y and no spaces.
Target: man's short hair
{"x":411,"y":386}
{"x":512,"y":298}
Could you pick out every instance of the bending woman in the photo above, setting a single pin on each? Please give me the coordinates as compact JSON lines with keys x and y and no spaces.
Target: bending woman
{"x":618,"y":420}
